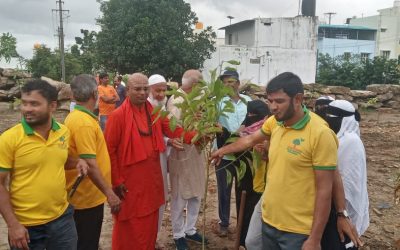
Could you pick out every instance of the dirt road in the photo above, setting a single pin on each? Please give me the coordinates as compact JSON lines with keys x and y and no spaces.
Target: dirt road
{"x":381,"y":136}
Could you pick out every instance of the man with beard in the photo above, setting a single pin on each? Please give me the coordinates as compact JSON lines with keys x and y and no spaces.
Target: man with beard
{"x":135,"y":141}
{"x":302,"y":157}
{"x":87,"y":142}
{"x":186,"y":173}
{"x":34,"y":154}
{"x":157,"y":97}
{"x":343,"y":120}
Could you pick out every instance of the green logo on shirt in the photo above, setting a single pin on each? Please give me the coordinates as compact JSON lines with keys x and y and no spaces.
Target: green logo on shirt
{"x":62,"y":141}
{"x":294,"y":149}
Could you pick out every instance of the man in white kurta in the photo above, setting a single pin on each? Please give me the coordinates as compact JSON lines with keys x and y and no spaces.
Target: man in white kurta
{"x":157,"y":97}
{"x":187,"y":176}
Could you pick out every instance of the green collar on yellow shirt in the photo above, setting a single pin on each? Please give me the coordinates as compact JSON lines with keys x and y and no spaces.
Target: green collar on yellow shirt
{"x":29,"y":130}
{"x":85,"y":110}
{"x":303,"y":122}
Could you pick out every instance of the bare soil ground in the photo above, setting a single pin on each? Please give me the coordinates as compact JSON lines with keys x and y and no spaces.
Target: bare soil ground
{"x":381,"y":136}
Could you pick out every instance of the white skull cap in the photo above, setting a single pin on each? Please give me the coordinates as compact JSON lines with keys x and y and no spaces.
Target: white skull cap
{"x":155,"y":79}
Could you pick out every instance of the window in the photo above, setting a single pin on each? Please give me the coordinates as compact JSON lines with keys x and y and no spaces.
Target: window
{"x":342,"y":36}
{"x":230,"y":39}
{"x":365,"y":56}
{"x":385,"y":53}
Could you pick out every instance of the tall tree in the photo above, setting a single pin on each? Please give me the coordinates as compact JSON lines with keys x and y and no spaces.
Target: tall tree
{"x":43,"y":63}
{"x":85,"y":50}
{"x":47,"y":63}
{"x":151,"y":36}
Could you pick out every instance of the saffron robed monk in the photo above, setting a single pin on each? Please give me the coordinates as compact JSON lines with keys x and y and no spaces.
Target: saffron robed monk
{"x":134,"y":142}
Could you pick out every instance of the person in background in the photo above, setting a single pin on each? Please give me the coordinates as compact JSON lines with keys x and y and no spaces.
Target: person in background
{"x":257,"y":112}
{"x":107,"y":99}
{"x":321,"y":104}
{"x":343,"y":120}
{"x":121,"y":91}
{"x":231,"y":122}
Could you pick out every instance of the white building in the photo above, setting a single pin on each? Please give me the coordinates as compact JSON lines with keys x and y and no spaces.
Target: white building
{"x":387,"y":24}
{"x":267,"y":47}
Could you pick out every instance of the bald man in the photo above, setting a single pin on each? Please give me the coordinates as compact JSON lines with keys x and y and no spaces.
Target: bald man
{"x":134,"y":142}
{"x":186,"y":172}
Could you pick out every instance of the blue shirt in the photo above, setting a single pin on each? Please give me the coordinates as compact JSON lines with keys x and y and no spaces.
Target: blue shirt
{"x":121,"y":93}
{"x":232,"y":121}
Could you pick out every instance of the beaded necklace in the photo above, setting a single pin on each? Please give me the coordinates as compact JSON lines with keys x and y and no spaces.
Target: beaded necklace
{"x":150,"y":131}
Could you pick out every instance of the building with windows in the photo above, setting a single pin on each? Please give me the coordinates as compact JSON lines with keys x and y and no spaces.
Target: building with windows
{"x":266,"y":47}
{"x":345,"y":40}
{"x":387,"y":24}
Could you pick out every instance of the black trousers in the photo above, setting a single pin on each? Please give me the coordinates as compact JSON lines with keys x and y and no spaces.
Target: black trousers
{"x":88,"y":225}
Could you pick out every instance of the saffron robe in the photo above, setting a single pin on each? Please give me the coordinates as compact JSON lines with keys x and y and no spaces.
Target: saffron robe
{"x":135,"y":162}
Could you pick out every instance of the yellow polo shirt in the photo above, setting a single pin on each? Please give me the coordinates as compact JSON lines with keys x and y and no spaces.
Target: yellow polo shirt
{"x":294,"y":153}
{"x":259,"y":176}
{"x":87,"y":141}
{"x":36,"y":165}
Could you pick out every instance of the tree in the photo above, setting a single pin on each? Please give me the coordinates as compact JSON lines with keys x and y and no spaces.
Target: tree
{"x":85,"y":50}
{"x":356,"y":73}
{"x":47,"y":63}
{"x":43,"y":63}
{"x":151,"y":36}
{"x":8,"y":47}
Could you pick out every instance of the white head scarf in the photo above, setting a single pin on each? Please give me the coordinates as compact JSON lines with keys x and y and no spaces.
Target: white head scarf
{"x":353,"y":167}
{"x":349,"y":123}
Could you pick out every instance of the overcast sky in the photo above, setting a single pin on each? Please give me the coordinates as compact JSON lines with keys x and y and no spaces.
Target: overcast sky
{"x":33,"y":21}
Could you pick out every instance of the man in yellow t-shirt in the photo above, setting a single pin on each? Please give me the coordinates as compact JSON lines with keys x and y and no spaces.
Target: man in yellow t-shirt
{"x":33,"y":154}
{"x":87,"y":142}
{"x":302,"y":157}
{"x":108,"y":97}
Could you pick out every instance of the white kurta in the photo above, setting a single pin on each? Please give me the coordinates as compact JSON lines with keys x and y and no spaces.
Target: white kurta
{"x":187,"y":178}
{"x":186,"y":168}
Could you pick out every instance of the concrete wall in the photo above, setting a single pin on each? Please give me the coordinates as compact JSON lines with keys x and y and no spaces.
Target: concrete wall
{"x":242,"y":34}
{"x":388,"y":30}
{"x":336,"y":47}
{"x":289,"y":33}
{"x":288,"y":44}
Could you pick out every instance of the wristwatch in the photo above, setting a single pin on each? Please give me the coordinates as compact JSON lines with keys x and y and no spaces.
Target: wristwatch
{"x":342,"y":214}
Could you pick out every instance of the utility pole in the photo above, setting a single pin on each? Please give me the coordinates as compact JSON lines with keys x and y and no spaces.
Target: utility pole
{"x":330,"y":14}
{"x":60,"y":32}
{"x":230,"y":19}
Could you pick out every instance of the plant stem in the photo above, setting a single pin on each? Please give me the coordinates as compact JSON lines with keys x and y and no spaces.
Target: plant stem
{"x":208,"y":156}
